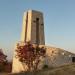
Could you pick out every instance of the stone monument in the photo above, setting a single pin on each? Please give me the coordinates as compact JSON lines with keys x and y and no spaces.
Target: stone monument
{"x":33,"y":31}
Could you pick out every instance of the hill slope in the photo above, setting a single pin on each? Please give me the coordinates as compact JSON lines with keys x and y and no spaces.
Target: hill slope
{"x":63,"y":70}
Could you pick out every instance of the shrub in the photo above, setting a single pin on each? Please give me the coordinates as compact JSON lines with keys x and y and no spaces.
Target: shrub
{"x":3,"y":61}
{"x":30,"y":54}
{"x":45,"y":66}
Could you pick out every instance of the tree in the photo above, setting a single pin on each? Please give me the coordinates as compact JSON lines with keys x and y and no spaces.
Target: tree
{"x":2,"y":57}
{"x":3,"y":60}
{"x":30,"y":54}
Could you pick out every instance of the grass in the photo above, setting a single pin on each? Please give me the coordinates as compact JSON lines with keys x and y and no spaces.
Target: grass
{"x":63,"y":70}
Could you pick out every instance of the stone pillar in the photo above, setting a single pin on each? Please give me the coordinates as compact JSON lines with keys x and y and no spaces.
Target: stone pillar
{"x":33,"y":27}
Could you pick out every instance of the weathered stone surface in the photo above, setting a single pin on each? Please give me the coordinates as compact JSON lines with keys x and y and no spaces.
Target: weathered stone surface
{"x":33,"y":27}
{"x":56,"y":57}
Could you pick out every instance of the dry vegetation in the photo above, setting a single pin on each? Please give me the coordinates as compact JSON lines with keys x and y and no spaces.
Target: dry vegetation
{"x":63,"y":70}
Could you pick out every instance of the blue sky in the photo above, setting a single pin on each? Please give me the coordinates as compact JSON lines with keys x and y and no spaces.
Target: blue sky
{"x":59,"y":19}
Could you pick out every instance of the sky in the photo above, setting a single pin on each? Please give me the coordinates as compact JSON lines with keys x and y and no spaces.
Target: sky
{"x":59,"y":22}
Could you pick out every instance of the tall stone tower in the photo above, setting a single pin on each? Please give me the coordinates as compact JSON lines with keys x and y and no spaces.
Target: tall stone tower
{"x":33,"y":27}
{"x":33,"y":31}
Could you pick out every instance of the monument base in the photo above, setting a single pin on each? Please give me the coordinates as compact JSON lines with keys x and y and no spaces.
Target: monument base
{"x":54,"y":57}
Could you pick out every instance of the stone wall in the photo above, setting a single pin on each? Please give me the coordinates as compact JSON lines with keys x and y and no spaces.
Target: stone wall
{"x":56,"y":57}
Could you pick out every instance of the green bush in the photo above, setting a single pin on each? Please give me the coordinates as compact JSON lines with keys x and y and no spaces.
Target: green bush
{"x":45,"y":67}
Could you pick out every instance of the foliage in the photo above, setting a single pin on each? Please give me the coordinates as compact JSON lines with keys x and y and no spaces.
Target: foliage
{"x":8,"y":67}
{"x":3,"y":60}
{"x":45,"y":66}
{"x":30,"y":54}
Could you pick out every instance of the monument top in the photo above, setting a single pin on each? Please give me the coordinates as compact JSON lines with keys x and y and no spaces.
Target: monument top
{"x":33,"y":11}
{"x":33,"y":27}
